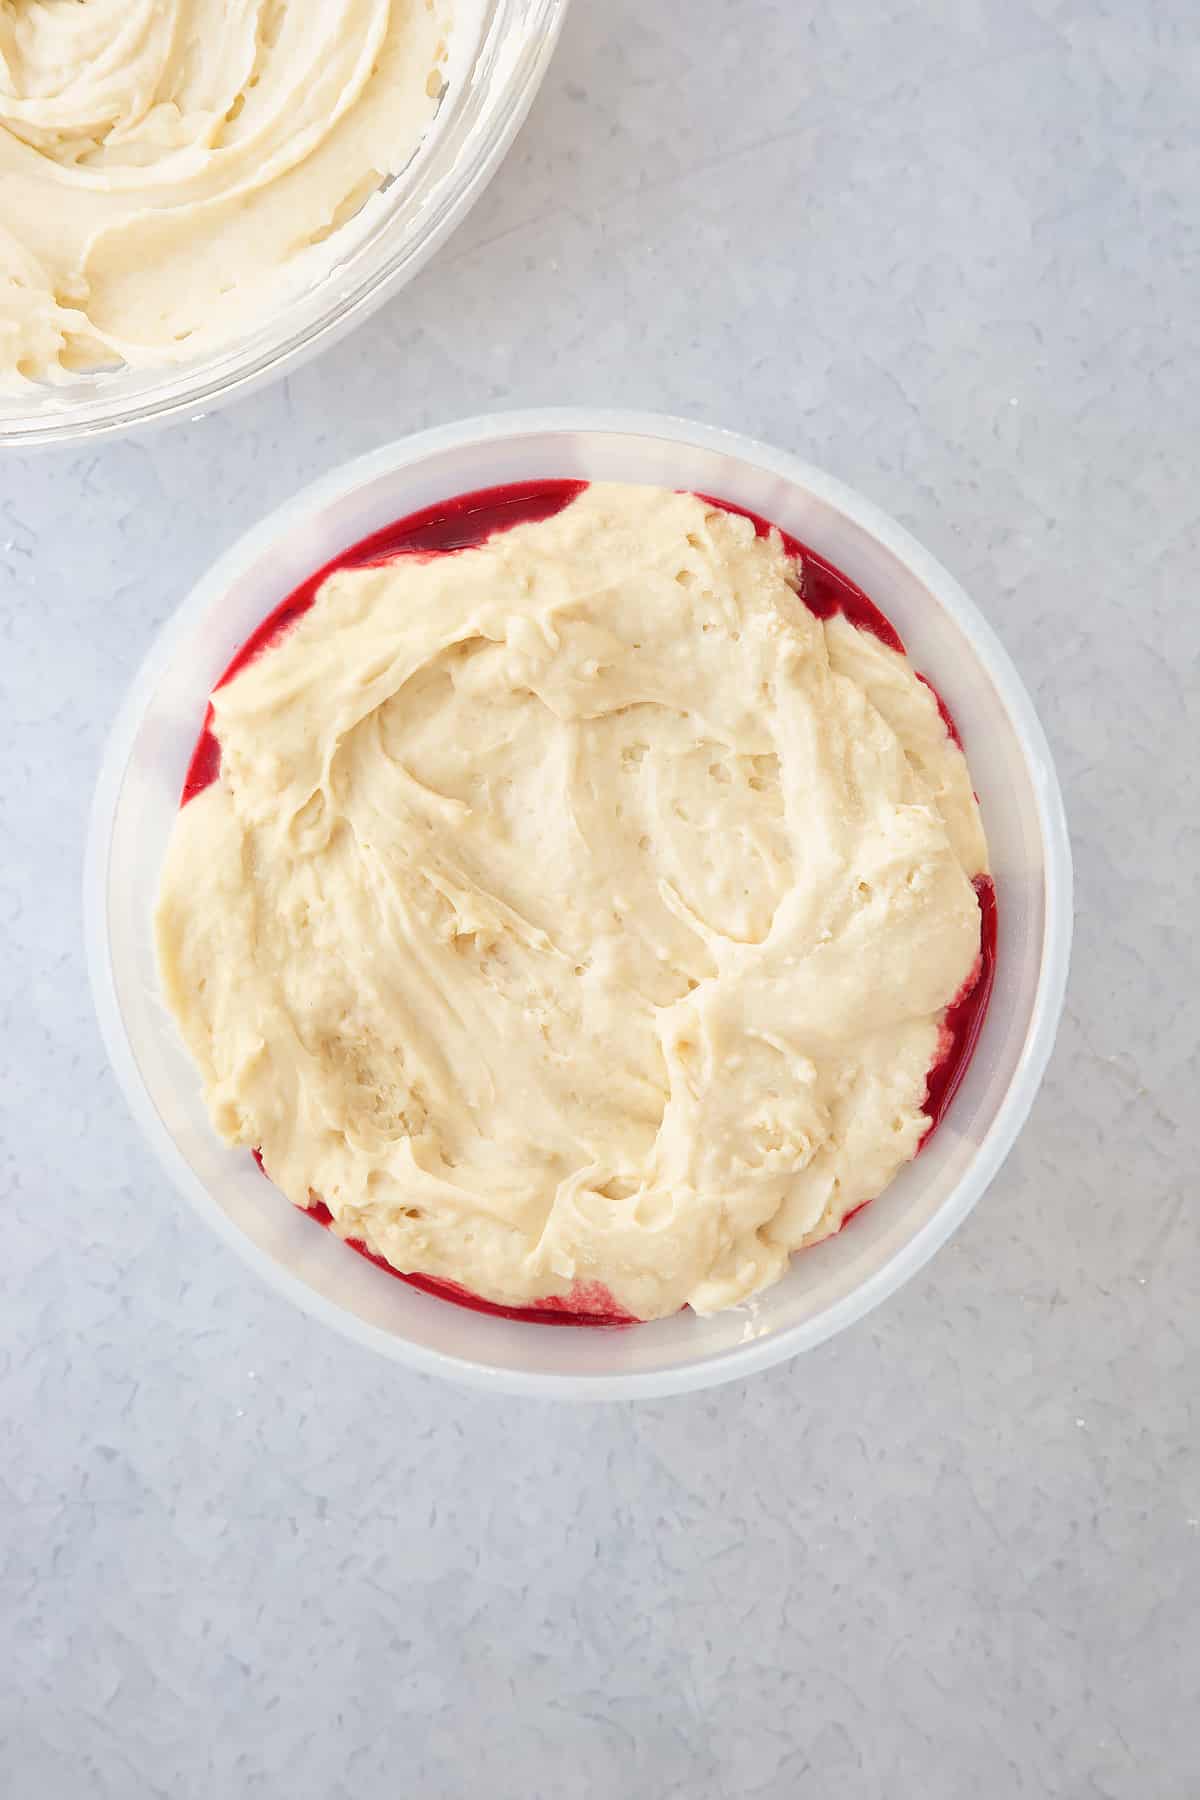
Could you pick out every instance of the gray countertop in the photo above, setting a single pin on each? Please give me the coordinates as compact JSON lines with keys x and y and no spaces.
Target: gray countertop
{"x":949,"y":252}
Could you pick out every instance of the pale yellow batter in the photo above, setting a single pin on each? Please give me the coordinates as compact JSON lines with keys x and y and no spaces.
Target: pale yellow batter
{"x":170,"y":170}
{"x":576,"y":908}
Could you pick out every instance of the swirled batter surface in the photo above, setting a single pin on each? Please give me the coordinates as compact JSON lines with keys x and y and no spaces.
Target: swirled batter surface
{"x":578,"y":908}
{"x":172,"y":169}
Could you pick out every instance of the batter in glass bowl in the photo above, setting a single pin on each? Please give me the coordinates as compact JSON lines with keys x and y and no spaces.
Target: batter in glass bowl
{"x":173,"y":169}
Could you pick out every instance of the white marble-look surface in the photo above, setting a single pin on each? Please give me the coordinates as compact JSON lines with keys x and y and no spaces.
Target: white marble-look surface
{"x":948,"y":250}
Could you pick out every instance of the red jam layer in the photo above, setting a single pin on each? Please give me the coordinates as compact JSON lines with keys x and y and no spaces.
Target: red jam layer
{"x":469,"y":520}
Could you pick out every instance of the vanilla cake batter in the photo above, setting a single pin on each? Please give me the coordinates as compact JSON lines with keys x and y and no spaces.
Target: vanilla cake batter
{"x":171,"y":170}
{"x":578,"y":908}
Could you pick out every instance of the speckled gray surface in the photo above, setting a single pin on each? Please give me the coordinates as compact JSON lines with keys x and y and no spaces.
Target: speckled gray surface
{"x":949,"y":251}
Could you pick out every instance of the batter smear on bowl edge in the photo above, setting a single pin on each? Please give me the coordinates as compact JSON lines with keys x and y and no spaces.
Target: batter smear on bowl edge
{"x":579,"y":901}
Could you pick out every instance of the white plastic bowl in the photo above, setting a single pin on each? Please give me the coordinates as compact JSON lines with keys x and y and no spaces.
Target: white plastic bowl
{"x":827,"y":1287}
{"x":499,"y":50}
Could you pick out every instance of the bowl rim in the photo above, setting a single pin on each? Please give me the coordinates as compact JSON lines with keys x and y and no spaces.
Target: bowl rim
{"x":1045,"y":1012}
{"x":311,"y":324}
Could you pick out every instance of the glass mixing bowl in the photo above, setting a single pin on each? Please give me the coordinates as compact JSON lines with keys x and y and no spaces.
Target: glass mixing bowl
{"x":826,"y":1287}
{"x":499,"y":52}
